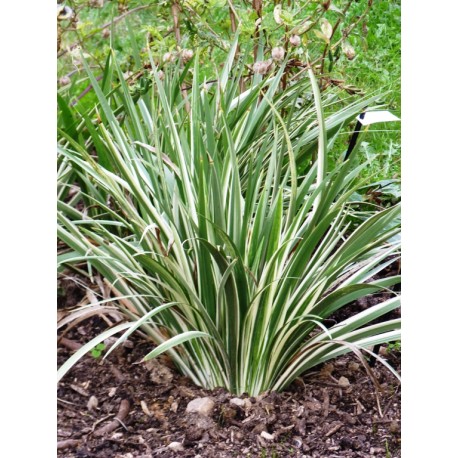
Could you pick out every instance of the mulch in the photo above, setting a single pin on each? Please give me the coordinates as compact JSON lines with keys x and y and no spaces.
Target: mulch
{"x":123,"y":408}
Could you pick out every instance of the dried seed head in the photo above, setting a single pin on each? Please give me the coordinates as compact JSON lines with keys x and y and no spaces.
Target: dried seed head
{"x":262,"y":67}
{"x":295,"y":40}
{"x":348,"y":50}
{"x":106,"y":33}
{"x":326,"y":4}
{"x":277,"y":15}
{"x":278,"y":53}
{"x":168,"y":57}
{"x":64,"y":12}
{"x":326,"y":28}
{"x":161,"y":75}
{"x":64,"y":81}
{"x":187,"y":55}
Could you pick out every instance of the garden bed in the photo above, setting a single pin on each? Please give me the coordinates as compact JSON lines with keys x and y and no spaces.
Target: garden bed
{"x":120,"y":407}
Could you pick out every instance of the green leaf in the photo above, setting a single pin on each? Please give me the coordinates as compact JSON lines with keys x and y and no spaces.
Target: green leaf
{"x":173,"y":342}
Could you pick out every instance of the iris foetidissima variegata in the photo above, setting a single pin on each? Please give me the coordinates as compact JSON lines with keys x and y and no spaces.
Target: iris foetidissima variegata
{"x":218,"y":236}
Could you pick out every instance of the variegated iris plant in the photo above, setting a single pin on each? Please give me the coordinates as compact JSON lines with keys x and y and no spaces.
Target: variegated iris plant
{"x":221,"y":226}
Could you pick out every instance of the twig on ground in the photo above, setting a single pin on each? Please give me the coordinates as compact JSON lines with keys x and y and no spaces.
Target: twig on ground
{"x":334,"y":430}
{"x":67,"y":443}
{"x":118,"y":420}
{"x":70,"y":344}
{"x":325,"y":403}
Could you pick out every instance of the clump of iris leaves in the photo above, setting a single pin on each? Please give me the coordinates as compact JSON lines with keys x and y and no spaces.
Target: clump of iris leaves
{"x":223,"y":229}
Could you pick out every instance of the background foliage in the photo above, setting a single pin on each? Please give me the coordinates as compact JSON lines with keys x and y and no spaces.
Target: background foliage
{"x":373,"y":29}
{"x":203,"y":177}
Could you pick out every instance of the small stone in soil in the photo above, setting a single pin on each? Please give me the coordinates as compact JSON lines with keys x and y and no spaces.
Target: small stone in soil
{"x":267,"y":436}
{"x":344,"y":382}
{"x":297,"y":442}
{"x":174,"y":406}
{"x":145,"y":409}
{"x":202,"y":406}
{"x":238,"y":402}
{"x":92,"y":403}
{"x":176,"y":446}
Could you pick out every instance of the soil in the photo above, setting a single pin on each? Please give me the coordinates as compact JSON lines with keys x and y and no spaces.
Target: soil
{"x":122,"y":408}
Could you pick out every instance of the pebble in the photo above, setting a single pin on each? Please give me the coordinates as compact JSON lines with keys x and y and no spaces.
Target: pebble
{"x":344,"y":382}
{"x":202,"y":406}
{"x":92,"y":403}
{"x":297,"y":442}
{"x":267,"y":436}
{"x":176,"y":446}
{"x":238,"y":402}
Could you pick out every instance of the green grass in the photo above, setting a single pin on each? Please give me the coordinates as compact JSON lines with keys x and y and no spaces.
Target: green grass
{"x":377,"y":66}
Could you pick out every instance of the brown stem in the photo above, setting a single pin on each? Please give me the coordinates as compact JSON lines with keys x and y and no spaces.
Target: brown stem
{"x":67,"y":443}
{"x":323,"y":57}
{"x":257,"y":6}
{"x":234,"y":17}
{"x":122,"y":414}
{"x":284,"y":81}
{"x":176,"y":27}
{"x":70,"y":344}
{"x":176,"y":21}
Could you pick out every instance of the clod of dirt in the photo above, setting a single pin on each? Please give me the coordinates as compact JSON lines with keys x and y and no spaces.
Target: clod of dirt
{"x":159,"y":374}
{"x":197,"y":425}
{"x":395,"y":427}
{"x":202,"y":406}
{"x":353,"y":366}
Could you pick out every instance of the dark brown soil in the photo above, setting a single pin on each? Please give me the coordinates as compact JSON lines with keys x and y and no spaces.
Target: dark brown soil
{"x":120,"y":408}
